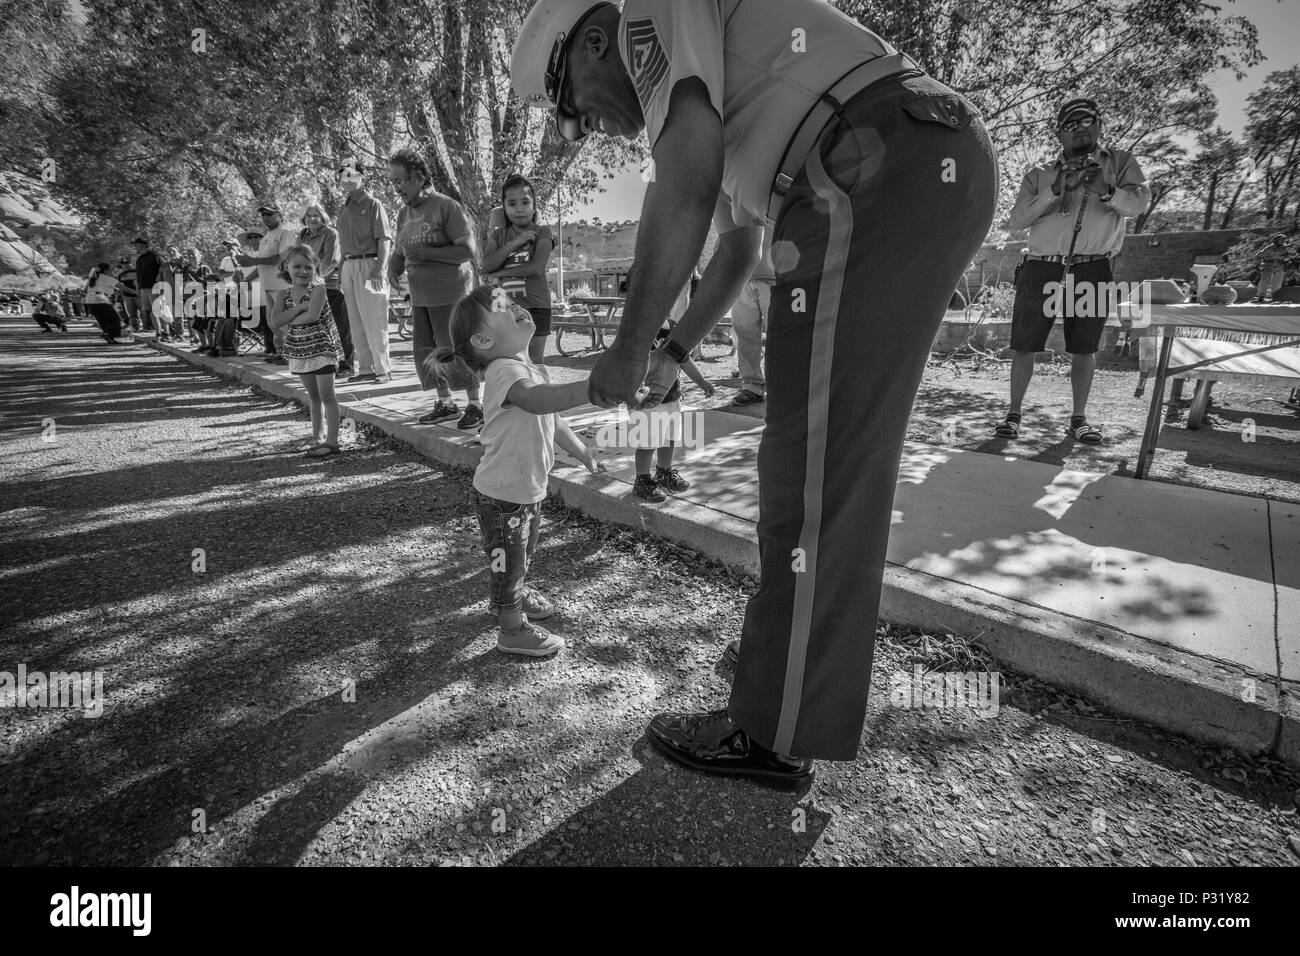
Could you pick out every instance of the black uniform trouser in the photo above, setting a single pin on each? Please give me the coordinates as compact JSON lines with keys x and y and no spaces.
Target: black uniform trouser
{"x":873,"y":236}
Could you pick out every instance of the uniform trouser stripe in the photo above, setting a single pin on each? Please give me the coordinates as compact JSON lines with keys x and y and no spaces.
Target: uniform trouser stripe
{"x":840,"y":234}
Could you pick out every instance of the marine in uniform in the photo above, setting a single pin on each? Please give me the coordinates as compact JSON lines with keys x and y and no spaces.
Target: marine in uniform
{"x":878,"y":183}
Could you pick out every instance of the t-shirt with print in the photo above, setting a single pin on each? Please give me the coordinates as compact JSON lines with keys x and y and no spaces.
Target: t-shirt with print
{"x":276,"y":242}
{"x":531,"y":292}
{"x":518,"y":446}
{"x":433,"y":220}
{"x":764,"y":63}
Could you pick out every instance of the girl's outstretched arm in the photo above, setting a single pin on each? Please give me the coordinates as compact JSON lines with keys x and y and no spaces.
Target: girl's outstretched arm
{"x":544,"y":399}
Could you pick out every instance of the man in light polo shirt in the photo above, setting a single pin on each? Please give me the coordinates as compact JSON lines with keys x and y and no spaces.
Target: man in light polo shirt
{"x":365,"y":240}
{"x":276,"y":241}
{"x":879,"y":185}
{"x":1078,"y":202}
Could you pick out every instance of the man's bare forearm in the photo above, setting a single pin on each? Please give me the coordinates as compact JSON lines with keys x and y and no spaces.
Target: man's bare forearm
{"x":675,"y":217}
{"x":732,"y":264}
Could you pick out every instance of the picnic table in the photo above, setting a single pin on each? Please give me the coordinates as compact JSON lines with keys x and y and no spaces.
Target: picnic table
{"x":1259,"y":344}
{"x":598,"y":314}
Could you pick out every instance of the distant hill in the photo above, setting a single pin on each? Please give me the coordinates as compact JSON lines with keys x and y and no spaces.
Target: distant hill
{"x":592,"y":244}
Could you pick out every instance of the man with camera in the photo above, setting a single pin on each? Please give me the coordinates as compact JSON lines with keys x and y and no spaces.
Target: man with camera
{"x":1074,"y":208}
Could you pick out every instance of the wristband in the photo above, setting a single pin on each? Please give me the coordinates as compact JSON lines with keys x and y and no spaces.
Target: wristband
{"x":675,"y":351}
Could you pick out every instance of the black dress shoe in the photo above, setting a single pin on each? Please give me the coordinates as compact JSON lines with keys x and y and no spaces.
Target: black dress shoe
{"x":713,"y":744}
{"x":731,"y":655}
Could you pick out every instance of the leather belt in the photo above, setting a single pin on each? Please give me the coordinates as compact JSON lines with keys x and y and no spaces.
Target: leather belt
{"x":1077,"y":258}
{"x":830,"y":104}
{"x":364,"y":255}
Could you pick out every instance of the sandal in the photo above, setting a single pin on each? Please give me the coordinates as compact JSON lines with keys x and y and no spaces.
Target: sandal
{"x":1084,"y":432}
{"x":1009,"y":428}
{"x":323,"y":450}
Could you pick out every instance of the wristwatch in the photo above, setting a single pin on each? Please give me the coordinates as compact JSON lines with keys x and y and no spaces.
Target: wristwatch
{"x":1110,"y":194}
{"x":674,"y":351}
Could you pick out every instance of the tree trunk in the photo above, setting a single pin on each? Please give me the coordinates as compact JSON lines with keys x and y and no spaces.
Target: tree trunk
{"x":1232,"y":205}
{"x":1209,"y":201}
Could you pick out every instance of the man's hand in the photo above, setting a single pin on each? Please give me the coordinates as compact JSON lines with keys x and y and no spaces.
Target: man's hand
{"x":376,"y":272}
{"x":1094,"y":178}
{"x":615,"y":378}
{"x":244,"y":260}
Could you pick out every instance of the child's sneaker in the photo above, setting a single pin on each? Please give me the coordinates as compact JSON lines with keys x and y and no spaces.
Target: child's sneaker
{"x":528,"y":640}
{"x":536,"y":605}
{"x":670,"y":479}
{"x":647,"y":488}
{"x":473,"y":418}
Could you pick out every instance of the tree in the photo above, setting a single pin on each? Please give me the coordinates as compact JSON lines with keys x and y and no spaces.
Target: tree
{"x":1212,"y":168}
{"x":1144,"y":61}
{"x":1273,"y":132}
{"x":153,"y":115}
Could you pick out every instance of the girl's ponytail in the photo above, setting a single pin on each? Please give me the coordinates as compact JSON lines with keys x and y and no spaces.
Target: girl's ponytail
{"x":461,"y":367}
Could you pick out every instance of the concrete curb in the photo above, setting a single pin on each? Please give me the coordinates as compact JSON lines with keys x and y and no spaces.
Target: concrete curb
{"x":1208,"y":700}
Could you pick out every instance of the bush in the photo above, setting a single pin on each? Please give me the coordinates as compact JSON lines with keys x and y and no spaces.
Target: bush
{"x":995,"y":301}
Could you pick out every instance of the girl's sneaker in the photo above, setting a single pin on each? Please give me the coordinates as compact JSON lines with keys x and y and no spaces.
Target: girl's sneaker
{"x":536,"y":606}
{"x":648,"y":489}
{"x":529,"y":640}
{"x":670,"y":479}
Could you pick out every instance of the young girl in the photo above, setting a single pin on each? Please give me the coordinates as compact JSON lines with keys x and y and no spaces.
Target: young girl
{"x":311,"y":343}
{"x":516,"y":255}
{"x":490,"y":336}
{"x":655,"y":432}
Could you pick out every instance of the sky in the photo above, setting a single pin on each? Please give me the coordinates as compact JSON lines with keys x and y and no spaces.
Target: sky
{"x":1279,"y":40}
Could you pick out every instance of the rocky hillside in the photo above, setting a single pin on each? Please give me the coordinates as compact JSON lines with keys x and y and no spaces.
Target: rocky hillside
{"x":33,"y":230}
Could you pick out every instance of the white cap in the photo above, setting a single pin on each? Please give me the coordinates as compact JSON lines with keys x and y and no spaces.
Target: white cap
{"x":535,"y":65}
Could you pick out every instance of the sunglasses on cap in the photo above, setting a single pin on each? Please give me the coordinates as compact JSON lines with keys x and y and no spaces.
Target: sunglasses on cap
{"x":557,"y":86}
{"x":1079,"y":122}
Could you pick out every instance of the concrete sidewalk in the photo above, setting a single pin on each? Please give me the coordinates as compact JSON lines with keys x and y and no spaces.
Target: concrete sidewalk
{"x":1173,"y":605}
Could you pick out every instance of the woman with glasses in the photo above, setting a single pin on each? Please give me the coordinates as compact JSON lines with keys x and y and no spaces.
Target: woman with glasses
{"x":434,"y":246}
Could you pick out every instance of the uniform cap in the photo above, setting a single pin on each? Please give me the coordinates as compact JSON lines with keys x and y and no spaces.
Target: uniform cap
{"x":538,"y":63}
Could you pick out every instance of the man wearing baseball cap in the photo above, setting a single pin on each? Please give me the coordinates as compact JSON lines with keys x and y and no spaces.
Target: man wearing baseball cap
{"x":276,"y":241}
{"x":879,"y":185}
{"x":1074,"y":208}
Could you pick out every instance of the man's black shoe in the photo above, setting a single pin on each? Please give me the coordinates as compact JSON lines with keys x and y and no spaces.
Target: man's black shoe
{"x":731,"y":655}
{"x":713,"y":744}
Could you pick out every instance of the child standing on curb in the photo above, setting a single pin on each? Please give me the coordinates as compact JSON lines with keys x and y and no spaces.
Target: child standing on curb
{"x":655,"y":433}
{"x":311,"y":343}
{"x":516,"y":255}
{"x":490,"y":336}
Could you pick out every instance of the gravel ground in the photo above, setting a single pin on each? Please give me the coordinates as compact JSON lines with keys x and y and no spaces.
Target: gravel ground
{"x":228,"y":737}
